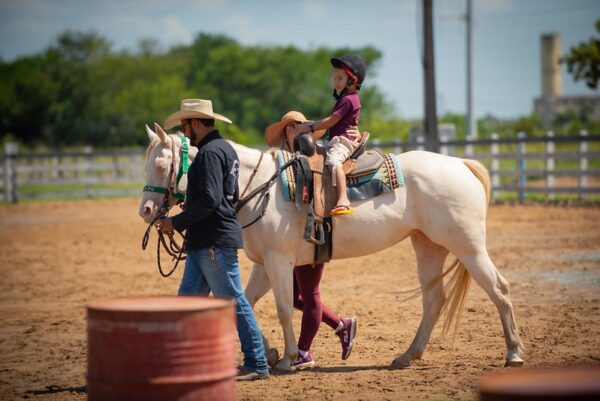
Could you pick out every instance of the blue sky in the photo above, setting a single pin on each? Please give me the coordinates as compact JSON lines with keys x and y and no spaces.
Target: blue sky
{"x":506,"y":38}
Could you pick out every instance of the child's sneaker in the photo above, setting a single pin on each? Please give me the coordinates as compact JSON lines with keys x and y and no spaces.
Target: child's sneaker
{"x":303,"y":362}
{"x":347,"y":334}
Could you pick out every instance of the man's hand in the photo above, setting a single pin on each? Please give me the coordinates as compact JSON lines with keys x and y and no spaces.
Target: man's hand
{"x":166,"y":225}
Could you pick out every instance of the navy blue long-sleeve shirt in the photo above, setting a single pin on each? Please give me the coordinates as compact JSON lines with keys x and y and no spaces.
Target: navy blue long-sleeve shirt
{"x":212,"y":191}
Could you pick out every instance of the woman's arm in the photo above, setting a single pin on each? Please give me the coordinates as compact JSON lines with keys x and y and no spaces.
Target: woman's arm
{"x":323,"y":124}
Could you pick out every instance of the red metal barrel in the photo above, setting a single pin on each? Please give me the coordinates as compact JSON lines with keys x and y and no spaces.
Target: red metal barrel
{"x":161,"y":348}
{"x":556,"y":384}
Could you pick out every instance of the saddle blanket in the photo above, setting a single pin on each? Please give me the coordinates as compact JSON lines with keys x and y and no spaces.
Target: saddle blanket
{"x":387,"y":178}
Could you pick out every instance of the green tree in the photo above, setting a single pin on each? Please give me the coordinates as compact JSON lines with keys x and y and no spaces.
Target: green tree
{"x":67,"y":65}
{"x":78,"y":91}
{"x":583,"y":60}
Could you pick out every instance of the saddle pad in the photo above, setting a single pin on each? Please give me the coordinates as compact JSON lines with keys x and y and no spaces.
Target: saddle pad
{"x":387,"y":178}
{"x":288,"y":176}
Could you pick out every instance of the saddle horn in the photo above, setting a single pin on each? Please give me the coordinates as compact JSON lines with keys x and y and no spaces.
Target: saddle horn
{"x":304,"y":144}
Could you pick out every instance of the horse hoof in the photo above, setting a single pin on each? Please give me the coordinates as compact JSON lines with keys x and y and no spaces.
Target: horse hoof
{"x":514,"y":363}
{"x":402,"y":362}
{"x":272,"y":357}
{"x":284,"y":365}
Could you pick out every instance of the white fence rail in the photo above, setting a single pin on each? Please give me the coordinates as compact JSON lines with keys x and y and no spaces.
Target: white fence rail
{"x":526,"y":165}
{"x":520,"y":165}
{"x":83,"y":174}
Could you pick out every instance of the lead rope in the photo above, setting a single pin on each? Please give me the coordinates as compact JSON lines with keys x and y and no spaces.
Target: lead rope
{"x":173,"y":249}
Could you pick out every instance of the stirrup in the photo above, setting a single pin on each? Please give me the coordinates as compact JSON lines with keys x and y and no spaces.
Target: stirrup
{"x":319,"y":239}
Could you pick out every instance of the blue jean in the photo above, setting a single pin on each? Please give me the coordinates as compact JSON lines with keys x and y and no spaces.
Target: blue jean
{"x":217,"y":270}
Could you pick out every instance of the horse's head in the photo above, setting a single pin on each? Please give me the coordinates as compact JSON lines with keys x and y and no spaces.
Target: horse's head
{"x":166,"y":175}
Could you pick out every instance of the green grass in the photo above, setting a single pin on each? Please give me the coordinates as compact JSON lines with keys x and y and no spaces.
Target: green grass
{"x":36,"y":193}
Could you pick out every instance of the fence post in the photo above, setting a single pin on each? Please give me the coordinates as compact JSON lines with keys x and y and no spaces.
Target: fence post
{"x":10,"y":172}
{"x":468,"y":147}
{"x":420,"y":142}
{"x":495,"y":164}
{"x":550,"y":166}
{"x":521,"y":165}
{"x":397,"y":147}
{"x":376,"y":143}
{"x":88,"y":171}
{"x":115,"y":163}
{"x":583,"y":165}
{"x":443,"y":146}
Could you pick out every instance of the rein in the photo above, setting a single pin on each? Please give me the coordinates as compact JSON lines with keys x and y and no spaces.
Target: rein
{"x":261,"y":189}
{"x":172,"y":248}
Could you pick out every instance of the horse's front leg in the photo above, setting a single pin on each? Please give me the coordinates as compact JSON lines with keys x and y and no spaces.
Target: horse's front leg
{"x":280,"y":270}
{"x":258,"y":286}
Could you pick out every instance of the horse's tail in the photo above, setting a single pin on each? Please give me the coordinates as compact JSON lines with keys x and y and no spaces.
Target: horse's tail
{"x":482,"y":175}
{"x":456,"y":290}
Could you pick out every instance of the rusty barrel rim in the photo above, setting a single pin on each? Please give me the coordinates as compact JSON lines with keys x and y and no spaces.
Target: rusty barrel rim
{"x":554,"y":382}
{"x":157,"y":304}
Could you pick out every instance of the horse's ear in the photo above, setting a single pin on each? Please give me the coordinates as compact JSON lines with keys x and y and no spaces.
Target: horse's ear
{"x":151,"y":134}
{"x":161,"y":133}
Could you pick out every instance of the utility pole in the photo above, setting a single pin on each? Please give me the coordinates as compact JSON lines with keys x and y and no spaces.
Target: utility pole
{"x":471,"y":123}
{"x":431,"y":132}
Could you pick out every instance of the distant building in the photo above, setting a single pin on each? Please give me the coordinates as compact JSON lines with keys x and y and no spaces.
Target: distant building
{"x":552,"y":101}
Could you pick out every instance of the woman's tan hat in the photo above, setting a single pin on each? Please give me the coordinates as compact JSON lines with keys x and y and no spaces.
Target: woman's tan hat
{"x":193,"y":108}
{"x":274,"y":132}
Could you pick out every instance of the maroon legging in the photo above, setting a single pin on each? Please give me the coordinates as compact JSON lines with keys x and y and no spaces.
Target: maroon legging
{"x":308,"y":299}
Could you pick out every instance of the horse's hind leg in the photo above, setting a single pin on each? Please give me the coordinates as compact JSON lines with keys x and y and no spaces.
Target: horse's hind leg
{"x":258,"y":285}
{"x":430,"y":262}
{"x":485,"y":273}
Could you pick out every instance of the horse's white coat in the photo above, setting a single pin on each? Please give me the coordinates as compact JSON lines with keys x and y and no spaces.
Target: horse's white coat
{"x":442,"y":207}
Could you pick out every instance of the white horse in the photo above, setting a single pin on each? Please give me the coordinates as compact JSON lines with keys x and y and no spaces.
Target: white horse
{"x":442,"y":208}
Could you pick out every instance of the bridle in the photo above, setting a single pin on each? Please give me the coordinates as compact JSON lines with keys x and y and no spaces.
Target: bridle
{"x":261,"y":189}
{"x":174,"y":182}
{"x":176,"y":251}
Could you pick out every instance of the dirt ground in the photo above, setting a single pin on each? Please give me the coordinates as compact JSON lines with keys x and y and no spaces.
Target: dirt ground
{"x":57,"y":256}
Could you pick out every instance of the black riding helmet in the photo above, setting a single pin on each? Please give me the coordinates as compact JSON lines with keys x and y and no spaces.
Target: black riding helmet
{"x":354,"y":63}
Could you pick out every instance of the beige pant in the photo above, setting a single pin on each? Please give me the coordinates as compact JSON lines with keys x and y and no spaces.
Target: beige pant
{"x":339,"y":150}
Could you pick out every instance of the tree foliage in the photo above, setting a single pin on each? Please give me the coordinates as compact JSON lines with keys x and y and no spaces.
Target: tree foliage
{"x":583,"y":60}
{"x":78,"y":91}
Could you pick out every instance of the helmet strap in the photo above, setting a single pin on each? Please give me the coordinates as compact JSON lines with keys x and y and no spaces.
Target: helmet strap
{"x":337,"y":96}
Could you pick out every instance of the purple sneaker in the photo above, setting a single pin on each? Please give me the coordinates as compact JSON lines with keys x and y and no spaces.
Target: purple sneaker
{"x":303,"y":362}
{"x":347,"y":335}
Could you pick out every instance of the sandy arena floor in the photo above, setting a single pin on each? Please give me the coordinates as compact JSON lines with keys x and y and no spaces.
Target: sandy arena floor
{"x":57,"y":256}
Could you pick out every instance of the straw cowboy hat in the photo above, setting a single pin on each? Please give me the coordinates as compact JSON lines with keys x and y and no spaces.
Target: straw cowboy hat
{"x":275,"y":132}
{"x":193,"y":108}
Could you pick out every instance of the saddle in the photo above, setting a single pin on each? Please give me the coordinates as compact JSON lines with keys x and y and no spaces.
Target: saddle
{"x":358,"y":164}
{"x":368,"y":174}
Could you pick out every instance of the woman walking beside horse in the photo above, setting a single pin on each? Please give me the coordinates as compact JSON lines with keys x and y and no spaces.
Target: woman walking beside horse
{"x":307,"y":297}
